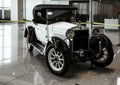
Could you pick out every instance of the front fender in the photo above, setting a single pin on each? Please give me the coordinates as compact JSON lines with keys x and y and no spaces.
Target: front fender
{"x":98,"y":30}
{"x":94,"y":42}
{"x":59,"y":44}
{"x":105,"y":40}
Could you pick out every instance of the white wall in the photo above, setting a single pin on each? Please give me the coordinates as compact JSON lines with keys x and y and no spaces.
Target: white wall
{"x":14,"y":9}
{"x":29,"y":7}
{"x":17,"y":10}
{"x":25,"y":12}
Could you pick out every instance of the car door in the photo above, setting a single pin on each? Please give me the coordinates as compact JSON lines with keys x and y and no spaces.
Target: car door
{"x":41,"y":32}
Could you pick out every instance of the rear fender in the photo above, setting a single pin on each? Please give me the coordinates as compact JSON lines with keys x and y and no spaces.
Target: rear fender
{"x":30,"y":34}
{"x":28,"y":30}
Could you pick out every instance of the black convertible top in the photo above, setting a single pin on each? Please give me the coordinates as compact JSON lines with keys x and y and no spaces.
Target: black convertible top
{"x":51,"y":6}
{"x":60,"y":12}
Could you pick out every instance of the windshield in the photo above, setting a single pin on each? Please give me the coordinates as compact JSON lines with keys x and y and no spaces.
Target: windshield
{"x":60,"y":15}
{"x":54,"y":14}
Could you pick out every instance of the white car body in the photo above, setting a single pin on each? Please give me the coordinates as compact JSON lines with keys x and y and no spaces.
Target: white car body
{"x":57,"y":29}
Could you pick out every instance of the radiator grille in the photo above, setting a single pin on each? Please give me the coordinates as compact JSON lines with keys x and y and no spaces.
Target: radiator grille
{"x":80,"y":40}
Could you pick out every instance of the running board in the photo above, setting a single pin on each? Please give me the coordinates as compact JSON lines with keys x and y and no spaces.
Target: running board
{"x":39,"y":47}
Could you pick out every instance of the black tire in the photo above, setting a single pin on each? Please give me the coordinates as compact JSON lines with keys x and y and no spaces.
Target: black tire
{"x":57,"y":61}
{"x":29,"y":46}
{"x":29,"y":39}
{"x":108,"y":59}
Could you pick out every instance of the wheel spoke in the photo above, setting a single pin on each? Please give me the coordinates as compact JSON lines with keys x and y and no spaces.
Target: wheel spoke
{"x":58,"y":65}
{"x":52,"y":59}
{"x":61,"y":63}
{"x":52,"y":56}
{"x":53,"y":62}
{"x":102,"y":59}
{"x":61,"y":59}
{"x":60,"y":55}
{"x":54,"y":52}
{"x":106,"y":52}
{"x":104,"y":49}
{"x":57,"y":53}
{"x":105,"y":56}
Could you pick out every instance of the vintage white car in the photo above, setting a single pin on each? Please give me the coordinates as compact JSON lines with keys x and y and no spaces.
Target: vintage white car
{"x":62,"y":42}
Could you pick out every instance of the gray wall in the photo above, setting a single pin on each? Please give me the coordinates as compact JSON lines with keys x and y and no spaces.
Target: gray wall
{"x":20,"y":10}
{"x":101,"y":11}
{"x":6,"y":14}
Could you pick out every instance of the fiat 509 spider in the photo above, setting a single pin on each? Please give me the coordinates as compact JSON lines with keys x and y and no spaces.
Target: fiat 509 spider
{"x":62,"y":42}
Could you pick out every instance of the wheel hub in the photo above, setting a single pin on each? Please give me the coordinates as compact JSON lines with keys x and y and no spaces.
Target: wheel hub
{"x":56,"y":59}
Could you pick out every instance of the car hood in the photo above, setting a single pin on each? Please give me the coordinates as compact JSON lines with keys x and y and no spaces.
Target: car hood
{"x":59,"y":29}
{"x":64,"y":25}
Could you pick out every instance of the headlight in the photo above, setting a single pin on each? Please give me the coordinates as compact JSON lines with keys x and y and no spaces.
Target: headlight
{"x":70,"y":34}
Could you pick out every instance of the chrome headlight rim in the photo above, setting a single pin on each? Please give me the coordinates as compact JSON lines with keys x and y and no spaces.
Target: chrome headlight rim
{"x":70,"y":33}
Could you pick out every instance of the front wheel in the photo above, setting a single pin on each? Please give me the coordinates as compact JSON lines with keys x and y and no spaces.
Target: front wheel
{"x":56,"y":61}
{"x":105,"y":57}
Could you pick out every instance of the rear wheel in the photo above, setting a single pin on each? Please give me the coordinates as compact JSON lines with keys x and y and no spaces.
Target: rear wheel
{"x":29,"y":47}
{"x":56,"y":61}
{"x":105,"y":55}
{"x":30,"y":38}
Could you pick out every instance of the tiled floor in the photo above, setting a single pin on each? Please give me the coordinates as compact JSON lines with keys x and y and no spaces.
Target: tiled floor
{"x":20,"y":67}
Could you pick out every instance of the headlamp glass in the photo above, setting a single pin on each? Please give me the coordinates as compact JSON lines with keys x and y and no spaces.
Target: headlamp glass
{"x":70,"y":34}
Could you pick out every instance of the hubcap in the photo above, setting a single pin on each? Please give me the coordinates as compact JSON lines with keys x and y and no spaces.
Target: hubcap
{"x":55,"y":60}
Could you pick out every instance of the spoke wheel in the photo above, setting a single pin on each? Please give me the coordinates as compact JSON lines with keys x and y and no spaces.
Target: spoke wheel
{"x":105,"y":57}
{"x":56,"y":61}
